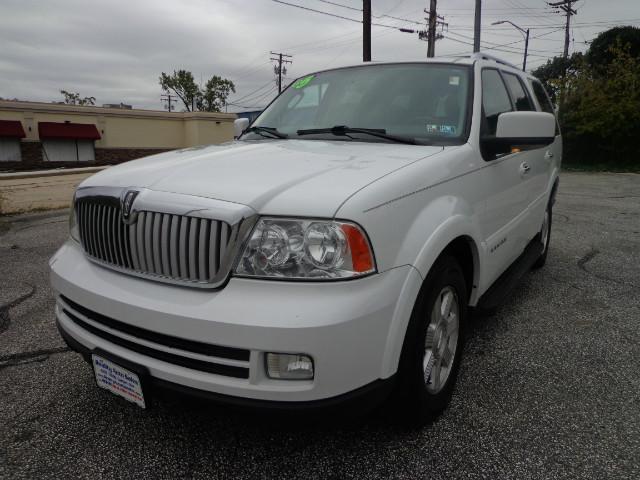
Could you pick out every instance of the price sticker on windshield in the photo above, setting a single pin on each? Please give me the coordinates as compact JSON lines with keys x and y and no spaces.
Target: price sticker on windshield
{"x":302,"y":82}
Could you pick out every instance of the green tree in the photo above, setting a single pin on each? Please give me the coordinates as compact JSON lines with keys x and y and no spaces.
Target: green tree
{"x":74,"y":98}
{"x":214,"y":96}
{"x":599,"y":55}
{"x":210,"y":99}
{"x":183,"y":85}
{"x":551,"y":73}
{"x":601,"y":114}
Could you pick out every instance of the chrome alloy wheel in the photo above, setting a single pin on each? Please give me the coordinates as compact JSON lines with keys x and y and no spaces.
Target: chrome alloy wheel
{"x":544,"y":232}
{"x":441,"y":340}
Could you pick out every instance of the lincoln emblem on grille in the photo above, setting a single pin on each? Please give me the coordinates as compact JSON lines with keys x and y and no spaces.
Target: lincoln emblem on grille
{"x":127,"y":203}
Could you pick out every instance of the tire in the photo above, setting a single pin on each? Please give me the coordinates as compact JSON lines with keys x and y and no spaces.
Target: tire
{"x":544,"y":237}
{"x":429,"y":336}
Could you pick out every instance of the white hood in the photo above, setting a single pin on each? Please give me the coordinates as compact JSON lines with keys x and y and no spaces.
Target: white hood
{"x":277,"y":177}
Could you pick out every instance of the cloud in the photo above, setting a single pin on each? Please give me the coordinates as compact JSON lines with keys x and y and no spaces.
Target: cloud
{"x":116,"y":50}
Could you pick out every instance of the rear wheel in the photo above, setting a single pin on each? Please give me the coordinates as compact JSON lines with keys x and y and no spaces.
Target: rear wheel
{"x":544,"y":237}
{"x":433,"y":343}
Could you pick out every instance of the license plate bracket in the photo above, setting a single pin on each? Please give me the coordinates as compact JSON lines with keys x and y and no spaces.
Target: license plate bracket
{"x":122,"y":378}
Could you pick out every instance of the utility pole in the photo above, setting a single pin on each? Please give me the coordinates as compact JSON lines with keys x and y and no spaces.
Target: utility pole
{"x":476,"y":26}
{"x":167,"y":97}
{"x":565,"y":6}
{"x":431,"y":31}
{"x":280,"y":68}
{"x":366,"y":30}
{"x":431,"y":34}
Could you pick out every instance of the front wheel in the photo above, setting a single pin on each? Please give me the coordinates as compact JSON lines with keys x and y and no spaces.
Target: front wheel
{"x":433,"y":343}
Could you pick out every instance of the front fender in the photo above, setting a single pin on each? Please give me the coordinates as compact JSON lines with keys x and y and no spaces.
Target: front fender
{"x":456,"y":226}
{"x":452,"y":228}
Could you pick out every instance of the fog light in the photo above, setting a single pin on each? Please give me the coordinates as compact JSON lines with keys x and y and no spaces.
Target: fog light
{"x":286,"y":366}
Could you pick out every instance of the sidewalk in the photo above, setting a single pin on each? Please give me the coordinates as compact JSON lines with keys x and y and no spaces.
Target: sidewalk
{"x":46,"y":190}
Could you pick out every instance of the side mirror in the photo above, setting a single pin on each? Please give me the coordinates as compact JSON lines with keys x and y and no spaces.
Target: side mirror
{"x":521,"y":130}
{"x":239,"y":126}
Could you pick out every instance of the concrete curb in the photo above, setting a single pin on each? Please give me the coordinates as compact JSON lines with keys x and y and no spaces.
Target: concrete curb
{"x":50,"y":173}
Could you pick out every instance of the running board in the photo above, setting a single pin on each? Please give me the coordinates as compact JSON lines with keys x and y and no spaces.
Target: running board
{"x":505,"y":284}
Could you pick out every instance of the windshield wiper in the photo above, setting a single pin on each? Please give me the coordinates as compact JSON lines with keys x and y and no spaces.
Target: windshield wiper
{"x":262,"y":130}
{"x":343,"y":130}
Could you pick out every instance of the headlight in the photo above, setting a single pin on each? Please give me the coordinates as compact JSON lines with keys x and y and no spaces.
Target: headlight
{"x":306,"y":249}
{"x":74,"y":232}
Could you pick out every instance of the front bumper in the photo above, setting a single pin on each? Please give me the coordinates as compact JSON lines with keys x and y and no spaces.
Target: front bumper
{"x":358,"y":401}
{"x":345,"y":327}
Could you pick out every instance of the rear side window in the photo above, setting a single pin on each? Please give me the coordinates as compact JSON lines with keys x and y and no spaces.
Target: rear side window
{"x":495,"y":99}
{"x":518,"y":93}
{"x":543,"y":100}
{"x":541,"y":96}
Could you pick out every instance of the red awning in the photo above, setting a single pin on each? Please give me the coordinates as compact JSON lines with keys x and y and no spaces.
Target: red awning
{"x":73,"y":131}
{"x":11,"y":128}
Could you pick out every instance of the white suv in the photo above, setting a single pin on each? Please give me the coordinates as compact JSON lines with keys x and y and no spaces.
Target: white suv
{"x":330,"y":253}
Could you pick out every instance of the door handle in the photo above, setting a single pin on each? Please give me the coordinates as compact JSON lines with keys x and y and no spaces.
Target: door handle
{"x":524,"y":168}
{"x":548,"y":155}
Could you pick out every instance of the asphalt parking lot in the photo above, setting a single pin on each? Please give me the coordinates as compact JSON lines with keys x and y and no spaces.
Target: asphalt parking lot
{"x":549,"y":386}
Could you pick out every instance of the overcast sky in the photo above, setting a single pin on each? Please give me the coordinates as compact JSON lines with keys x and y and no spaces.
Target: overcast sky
{"x":115,"y":50}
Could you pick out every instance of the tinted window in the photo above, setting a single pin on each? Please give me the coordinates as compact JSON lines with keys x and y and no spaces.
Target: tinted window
{"x":542,"y":97}
{"x":425,"y":102}
{"x":518,"y":93}
{"x":495,"y":99}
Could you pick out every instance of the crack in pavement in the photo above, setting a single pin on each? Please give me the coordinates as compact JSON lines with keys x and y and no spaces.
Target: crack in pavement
{"x":590,"y":255}
{"x":587,"y":257}
{"x":30,"y":357}
{"x":5,"y":320}
{"x":33,"y":225}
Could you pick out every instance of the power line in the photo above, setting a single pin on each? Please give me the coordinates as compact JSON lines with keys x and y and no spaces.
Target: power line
{"x":494,"y":48}
{"x":252,"y":71}
{"x":523,"y":12}
{"x":332,"y":14}
{"x":603,"y":23}
{"x":255,"y":100}
{"x":493,"y":44}
{"x":248,"y":95}
{"x":341,"y":5}
{"x":383,"y":15}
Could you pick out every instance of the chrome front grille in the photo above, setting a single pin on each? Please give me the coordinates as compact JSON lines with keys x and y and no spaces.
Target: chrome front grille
{"x":179,"y":248}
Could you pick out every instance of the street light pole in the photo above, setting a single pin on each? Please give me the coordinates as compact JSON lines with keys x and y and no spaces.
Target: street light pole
{"x":526,"y":39}
{"x":526,"y":49}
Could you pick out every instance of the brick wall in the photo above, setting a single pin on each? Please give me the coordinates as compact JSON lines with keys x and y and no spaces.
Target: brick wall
{"x":31,"y":152}
{"x":110,"y":156}
{"x":32,"y":158}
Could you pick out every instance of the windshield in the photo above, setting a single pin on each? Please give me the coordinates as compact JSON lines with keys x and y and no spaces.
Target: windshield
{"x":425,"y":102}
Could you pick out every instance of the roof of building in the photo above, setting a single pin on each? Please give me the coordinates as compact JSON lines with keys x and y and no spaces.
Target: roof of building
{"x":96,"y":110}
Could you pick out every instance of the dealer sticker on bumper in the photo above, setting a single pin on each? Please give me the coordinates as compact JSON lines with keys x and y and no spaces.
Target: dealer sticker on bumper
{"x":118,"y":380}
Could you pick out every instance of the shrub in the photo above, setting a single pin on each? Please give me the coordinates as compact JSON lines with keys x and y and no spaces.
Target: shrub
{"x":600,"y":112}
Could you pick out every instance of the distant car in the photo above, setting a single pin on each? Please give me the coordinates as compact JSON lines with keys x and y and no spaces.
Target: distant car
{"x":330,"y":254}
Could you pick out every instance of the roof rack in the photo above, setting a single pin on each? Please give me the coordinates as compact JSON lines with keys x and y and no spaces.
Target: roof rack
{"x":487,"y":56}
